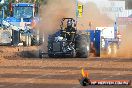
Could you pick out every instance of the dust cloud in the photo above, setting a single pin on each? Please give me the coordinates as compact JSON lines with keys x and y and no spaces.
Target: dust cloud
{"x":54,"y":10}
{"x":126,"y":43}
{"x":51,"y":14}
{"x":92,"y":14}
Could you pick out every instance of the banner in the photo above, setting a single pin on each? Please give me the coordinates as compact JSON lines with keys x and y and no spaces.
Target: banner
{"x":80,"y":10}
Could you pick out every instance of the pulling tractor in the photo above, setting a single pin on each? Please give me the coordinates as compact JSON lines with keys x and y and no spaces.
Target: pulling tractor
{"x":68,"y":41}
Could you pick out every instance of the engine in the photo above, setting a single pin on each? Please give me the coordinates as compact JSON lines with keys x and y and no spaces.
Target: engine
{"x":60,"y":45}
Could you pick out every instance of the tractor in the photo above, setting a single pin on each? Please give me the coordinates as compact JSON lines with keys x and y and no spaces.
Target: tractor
{"x":68,"y":41}
{"x":21,"y":21}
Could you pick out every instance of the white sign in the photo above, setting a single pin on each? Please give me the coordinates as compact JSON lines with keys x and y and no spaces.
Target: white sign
{"x":115,"y":9}
{"x":106,"y":32}
{"x":114,"y":6}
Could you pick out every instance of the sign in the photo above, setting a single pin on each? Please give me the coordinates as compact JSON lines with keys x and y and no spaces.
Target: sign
{"x":114,"y":6}
{"x":80,"y":10}
{"x":106,"y":32}
{"x":114,"y":9}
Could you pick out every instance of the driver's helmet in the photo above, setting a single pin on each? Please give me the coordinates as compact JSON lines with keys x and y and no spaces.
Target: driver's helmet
{"x":69,"y":23}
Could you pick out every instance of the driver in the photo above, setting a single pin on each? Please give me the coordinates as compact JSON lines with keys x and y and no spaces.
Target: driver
{"x":70,"y":31}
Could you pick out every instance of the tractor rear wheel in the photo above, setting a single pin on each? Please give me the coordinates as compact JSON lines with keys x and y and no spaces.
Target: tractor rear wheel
{"x":83,"y":46}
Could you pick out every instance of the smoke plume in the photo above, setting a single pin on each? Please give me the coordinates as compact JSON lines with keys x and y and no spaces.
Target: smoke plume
{"x":54,"y":10}
{"x":51,"y":14}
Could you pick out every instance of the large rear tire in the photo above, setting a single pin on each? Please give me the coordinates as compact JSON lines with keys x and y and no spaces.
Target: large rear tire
{"x":83,"y":46}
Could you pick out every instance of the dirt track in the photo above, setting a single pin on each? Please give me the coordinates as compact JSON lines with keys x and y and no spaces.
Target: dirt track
{"x":18,"y":72}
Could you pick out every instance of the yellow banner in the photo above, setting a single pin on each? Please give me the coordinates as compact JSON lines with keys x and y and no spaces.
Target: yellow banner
{"x":80,"y":10}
